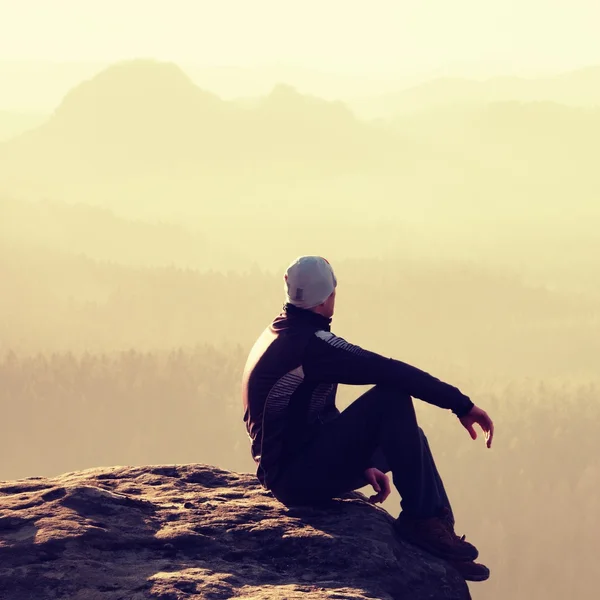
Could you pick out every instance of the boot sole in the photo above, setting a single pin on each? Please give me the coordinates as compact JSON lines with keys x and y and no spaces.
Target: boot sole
{"x":469,"y":576}
{"x":473,"y":578}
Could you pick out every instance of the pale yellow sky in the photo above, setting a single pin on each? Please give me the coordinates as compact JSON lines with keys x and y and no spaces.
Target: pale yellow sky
{"x":375,"y":36}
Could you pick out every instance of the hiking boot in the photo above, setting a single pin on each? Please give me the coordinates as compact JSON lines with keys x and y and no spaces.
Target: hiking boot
{"x":446,"y":515}
{"x":448,"y":518}
{"x":434,"y":535}
{"x":471,"y":571}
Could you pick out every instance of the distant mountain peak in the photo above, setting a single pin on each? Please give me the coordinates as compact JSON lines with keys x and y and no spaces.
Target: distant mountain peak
{"x":151,"y":69}
{"x":286,"y":99}
{"x":140,"y":87}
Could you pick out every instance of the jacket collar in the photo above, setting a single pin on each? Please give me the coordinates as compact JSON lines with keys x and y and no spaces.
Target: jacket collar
{"x":302,"y":315}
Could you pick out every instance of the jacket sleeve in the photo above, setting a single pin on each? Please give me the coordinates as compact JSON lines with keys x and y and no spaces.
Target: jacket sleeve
{"x":331,"y":359}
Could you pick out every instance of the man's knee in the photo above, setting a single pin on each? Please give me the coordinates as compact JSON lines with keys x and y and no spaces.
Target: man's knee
{"x":423,"y":437}
{"x":392,"y":401}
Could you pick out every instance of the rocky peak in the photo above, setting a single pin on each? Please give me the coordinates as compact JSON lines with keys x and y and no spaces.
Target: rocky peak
{"x":195,"y":531}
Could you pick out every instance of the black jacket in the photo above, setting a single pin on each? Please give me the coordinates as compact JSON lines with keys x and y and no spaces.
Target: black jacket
{"x":290,"y":383}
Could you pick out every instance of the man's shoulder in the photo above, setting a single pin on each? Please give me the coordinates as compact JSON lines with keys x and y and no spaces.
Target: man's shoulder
{"x":324,"y":335}
{"x":335,"y":341}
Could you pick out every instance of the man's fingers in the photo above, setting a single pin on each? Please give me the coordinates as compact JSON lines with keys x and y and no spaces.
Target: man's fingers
{"x":488,"y":428}
{"x":380,"y":497}
{"x":491,"y":435}
{"x":482,"y":419}
{"x":380,"y":483}
{"x":370,"y":477}
{"x":472,"y":431}
{"x":386,"y":487}
{"x":375,"y":498}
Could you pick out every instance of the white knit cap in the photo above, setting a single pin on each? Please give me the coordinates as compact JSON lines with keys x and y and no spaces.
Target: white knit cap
{"x":309,"y":281}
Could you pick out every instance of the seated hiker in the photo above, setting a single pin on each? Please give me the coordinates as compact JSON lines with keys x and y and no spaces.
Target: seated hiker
{"x":308,"y":451}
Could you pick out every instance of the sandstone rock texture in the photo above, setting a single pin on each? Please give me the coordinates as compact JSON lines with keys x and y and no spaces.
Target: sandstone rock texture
{"x":175,"y":532}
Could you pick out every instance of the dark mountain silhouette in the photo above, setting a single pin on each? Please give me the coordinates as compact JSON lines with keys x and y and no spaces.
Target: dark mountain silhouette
{"x":132,"y":117}
{"x":577,"y":88}
{"x":14,"y":123}
{"x":138,"y":116}
{"x":138,"y":89}
{"x":142,"y":139}
{"x":536,"y":164}
{"x":142,"y":128}
{"x":39,"y":85}
{"x":522,"y":136}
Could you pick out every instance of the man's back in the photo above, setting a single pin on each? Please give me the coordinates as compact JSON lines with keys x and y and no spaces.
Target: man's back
{"x":280,"y":401}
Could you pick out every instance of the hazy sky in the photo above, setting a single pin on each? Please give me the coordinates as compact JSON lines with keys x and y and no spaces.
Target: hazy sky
{"x":384,"y":36}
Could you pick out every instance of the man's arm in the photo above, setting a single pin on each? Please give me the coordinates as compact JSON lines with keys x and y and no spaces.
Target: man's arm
{"x":331,"y":359}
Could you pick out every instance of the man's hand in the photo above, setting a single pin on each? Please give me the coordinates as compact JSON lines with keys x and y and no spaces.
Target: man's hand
{"x":479,"y":416}
{"x":380,"y":483}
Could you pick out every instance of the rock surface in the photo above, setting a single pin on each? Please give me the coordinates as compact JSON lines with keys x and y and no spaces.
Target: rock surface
{"x":194,"y":531}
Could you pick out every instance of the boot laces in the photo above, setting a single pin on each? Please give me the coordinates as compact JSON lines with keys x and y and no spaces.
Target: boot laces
{"x":453,"y":534}
{"x":444,"y":532}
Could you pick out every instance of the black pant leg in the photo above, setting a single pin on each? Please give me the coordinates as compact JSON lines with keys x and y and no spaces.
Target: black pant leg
{"x":380,"y":423}
{"x":337,"y":454}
